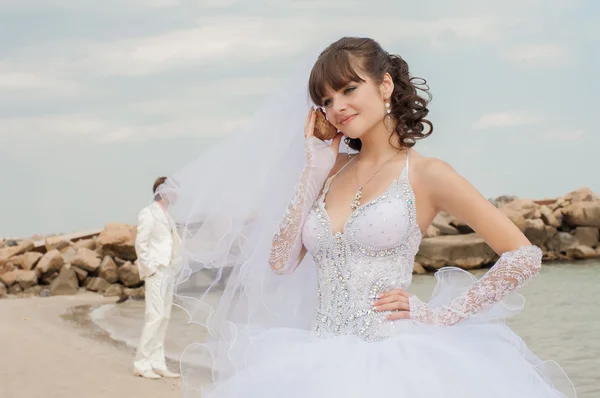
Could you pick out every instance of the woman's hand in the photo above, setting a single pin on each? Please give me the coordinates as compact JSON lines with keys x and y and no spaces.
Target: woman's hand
{"x":395,"y":300}
{"x":309,"y":131}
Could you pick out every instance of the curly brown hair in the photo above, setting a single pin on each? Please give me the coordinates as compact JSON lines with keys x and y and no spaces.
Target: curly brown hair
{"x":337,"y":65}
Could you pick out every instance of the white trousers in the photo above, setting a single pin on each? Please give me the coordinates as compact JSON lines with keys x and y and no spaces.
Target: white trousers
{"x":159,"y":299}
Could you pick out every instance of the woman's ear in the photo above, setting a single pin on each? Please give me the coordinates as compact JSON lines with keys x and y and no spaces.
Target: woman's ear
{"x":387,"y":86}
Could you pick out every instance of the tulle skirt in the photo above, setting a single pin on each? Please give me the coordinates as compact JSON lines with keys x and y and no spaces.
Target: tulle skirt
{"x":477,"y":358}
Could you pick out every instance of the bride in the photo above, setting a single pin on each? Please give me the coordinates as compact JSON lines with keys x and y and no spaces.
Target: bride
{"x":320,"y":248}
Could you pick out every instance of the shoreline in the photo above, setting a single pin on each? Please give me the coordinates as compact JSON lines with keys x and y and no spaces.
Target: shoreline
{"x":80,"y":317}
{"x":55,"y":340}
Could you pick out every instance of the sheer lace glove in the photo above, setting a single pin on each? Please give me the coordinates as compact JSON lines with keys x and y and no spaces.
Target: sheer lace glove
{"x":287,"y":242}
{"x":512,"y":271}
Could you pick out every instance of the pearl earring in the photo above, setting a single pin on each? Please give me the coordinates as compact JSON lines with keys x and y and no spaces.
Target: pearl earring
{"x":388,"y":118}
{"x":347,"y":144}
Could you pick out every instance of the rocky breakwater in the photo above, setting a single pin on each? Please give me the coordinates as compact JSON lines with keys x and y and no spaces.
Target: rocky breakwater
{"x":566,"y":228}
{"x":105,"y":263}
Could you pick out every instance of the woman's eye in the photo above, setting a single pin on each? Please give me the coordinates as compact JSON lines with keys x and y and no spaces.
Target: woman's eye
{"x":349,"y":90}
{"x":327,"y":103}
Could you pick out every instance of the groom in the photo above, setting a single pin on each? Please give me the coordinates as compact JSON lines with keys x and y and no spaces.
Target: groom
{"x":157,"y":246}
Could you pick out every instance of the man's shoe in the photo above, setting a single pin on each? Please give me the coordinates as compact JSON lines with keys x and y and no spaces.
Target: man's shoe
{"x":148,"y":374}
{"x":166,"y":373}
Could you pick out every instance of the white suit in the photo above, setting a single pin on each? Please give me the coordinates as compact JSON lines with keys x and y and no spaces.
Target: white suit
{"x":157,"y":245}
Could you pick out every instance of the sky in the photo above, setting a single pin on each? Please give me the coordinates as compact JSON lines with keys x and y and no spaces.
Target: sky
{"x":99,"y":98}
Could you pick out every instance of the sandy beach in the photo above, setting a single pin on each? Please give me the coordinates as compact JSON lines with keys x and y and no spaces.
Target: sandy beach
{"x":50,"y":354}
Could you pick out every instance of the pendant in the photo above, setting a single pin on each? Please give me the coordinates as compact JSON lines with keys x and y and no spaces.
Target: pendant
{"x":356,"y":202}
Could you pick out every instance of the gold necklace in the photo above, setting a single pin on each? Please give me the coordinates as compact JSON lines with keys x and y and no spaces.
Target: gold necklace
{"x":356,"y":202}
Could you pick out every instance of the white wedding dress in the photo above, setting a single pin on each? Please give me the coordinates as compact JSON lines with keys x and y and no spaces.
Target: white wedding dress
{"x":455,"y":346}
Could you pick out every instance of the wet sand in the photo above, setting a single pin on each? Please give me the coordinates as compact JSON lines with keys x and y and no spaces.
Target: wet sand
{"x":51,"y":349}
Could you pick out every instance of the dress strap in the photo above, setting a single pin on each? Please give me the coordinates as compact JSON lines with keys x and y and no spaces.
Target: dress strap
{"x":328,"y":182}
{"x":344,"y":166}
{"x":407,"y":162}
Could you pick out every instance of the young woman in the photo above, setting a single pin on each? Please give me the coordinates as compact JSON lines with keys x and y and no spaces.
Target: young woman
{"x":334,"y":318}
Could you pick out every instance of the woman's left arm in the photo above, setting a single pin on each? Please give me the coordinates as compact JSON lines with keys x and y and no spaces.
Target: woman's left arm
{"x":519,"y":260}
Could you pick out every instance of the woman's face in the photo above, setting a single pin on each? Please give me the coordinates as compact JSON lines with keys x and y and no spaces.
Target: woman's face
{"x":358,"y":107}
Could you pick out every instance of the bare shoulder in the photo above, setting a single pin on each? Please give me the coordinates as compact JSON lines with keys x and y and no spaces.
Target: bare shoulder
{"x":437,"y":179}
{"x":429,"y":169}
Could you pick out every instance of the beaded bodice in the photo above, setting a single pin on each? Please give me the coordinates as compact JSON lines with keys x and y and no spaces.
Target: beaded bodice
{"x":374,"y":253}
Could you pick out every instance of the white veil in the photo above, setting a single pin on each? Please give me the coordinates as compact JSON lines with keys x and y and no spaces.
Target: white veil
{"x":228,"y":204}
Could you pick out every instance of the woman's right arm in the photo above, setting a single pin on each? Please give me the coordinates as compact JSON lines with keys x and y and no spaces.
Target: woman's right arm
{"x":287,"y":250}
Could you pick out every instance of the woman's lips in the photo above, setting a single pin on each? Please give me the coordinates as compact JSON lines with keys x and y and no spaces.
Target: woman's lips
{"x":347,"y":119}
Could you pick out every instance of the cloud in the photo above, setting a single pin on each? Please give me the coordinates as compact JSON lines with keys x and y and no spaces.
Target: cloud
{"x":541,"y":55}
{"x":114,"y":4}
{"x":592,"y":29}
{"x":84,"y":127}
{"x":505,"y":119}
{"x":11,"y":82}
{"x":573,"y":135}
{"x":220,"y":39}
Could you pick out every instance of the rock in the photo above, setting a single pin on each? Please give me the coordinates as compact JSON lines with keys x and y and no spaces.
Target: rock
{"x":581,"y":252}
{"x":65,"y":284}
{"x":432,"y":232}
{"x":503,"y":200}
{"x":69,"y":254}
{"x":580,"y":195}
{"x":27,"y":279}
{"x":47,"y":280}
{"x":32,"y":291}
{"x":95,"y":284}
{"x":81,"y":274}
{"x":550,"y":232}
{"x":50,"y":262}
{"x":558,"y":213}
{"x":86,"y":244}
{"x":86,"y":259}
{"x":114,"y":290}
{"x":21,"y":248}
{"x":418,"y":269}
{"x":7,"y":267}
{"x":464,"y":251}
{"x":17,"y":261}
{"x":442,"y":223}
{"x":108,"y":270}
{"x":30,"y":259}
{"x":514,"y":216}
{"x":10,"y":278}
{"x":129,"y":275}
{"x":3,"y":290}
{"x":134,"y":293}
{"x":549,"y":256}
{"x":118,"y":240}
{"x":561,"y":242}
{"x":525,"y":207}
{"x":120,"y":261}
{"x":461,"y":226}
{"x":583,"y":214}
{"x":15,"y":289}
{"x":549,"y":218}
{"x":587,"y":236}
{"x":535,"y":231}
{"x":57,"y":242}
